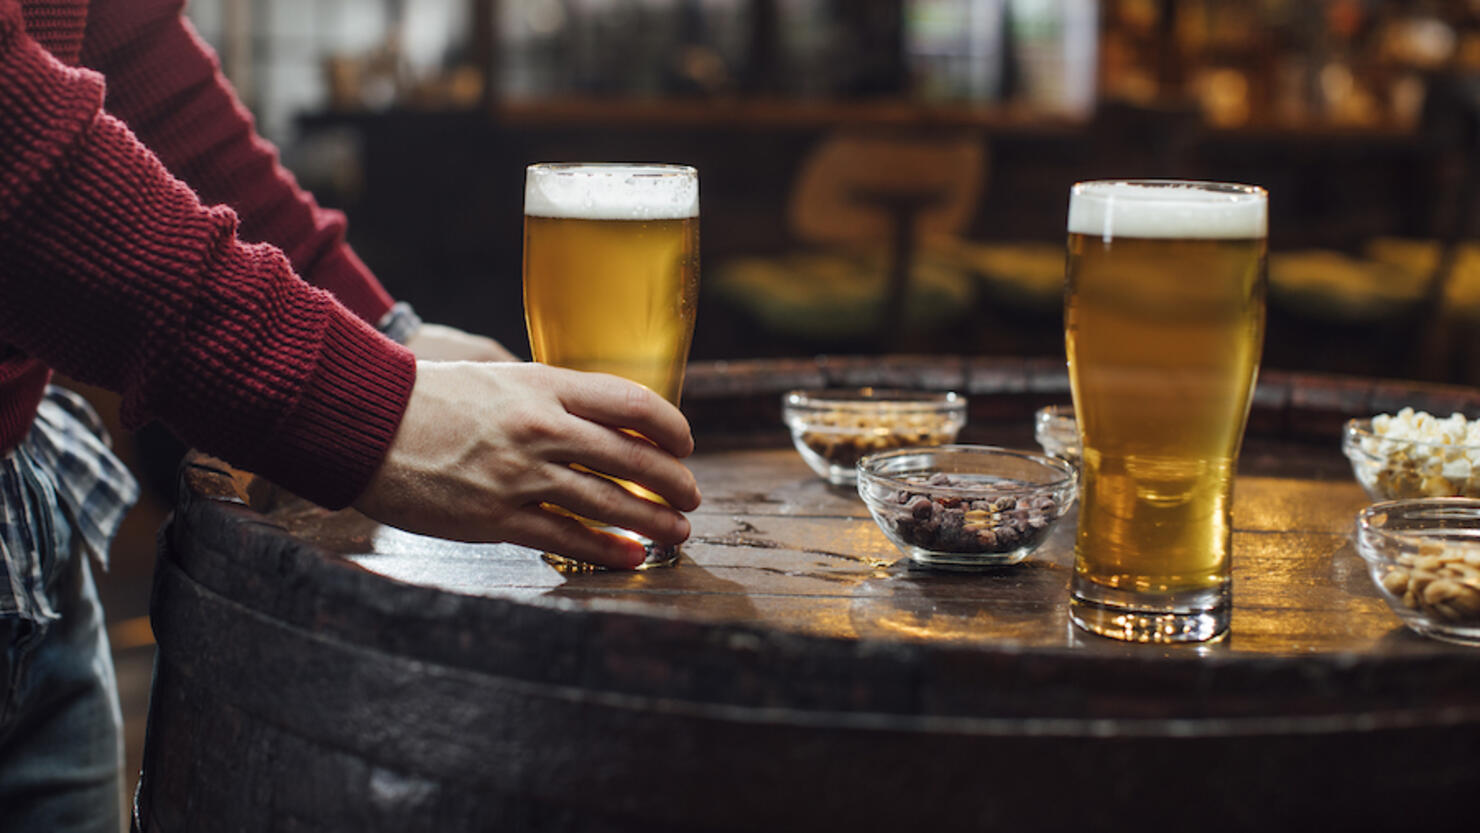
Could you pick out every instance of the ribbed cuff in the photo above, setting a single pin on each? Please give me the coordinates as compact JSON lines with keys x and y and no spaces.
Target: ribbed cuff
{"x":343,"y":274}
{"x":341,"y":427}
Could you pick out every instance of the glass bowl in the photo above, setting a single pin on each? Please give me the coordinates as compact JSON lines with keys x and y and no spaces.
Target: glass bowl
{"x":1055,"y":429}
{"x":833,"y":428}
{"x":1392,"y":468}
{"x":966,"y":507}
{"x":1424,"y":557}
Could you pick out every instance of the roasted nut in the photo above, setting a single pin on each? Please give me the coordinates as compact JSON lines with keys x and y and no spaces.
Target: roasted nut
{"x":1395,"y":581}
{"x":1427,"y":562}
{"x":1462,"y":570}
{"x":1420,"y":579}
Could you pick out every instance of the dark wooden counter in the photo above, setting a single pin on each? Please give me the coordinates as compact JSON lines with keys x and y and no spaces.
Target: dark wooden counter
{"x":793,"y":673}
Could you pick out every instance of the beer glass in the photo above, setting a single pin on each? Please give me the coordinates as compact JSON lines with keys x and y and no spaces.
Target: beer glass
{"x":1163,"y":326}
{"x":611,"y":279}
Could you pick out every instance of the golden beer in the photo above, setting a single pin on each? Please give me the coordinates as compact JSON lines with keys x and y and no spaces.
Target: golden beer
{"x":611,"y":273}
{"x":614,"y":296}
{"x":1164,"y":326}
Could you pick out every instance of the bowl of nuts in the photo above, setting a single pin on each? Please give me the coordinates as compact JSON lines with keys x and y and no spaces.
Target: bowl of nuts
{"x":965,"y":507}
{"x":1412,"y":454}
{"x":833,"y":428}
{"x":1424,"y":556}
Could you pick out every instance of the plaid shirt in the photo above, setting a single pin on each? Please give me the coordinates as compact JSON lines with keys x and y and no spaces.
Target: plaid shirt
{"x":62,"y":473}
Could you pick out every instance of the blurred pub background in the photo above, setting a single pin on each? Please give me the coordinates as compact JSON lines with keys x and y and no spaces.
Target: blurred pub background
{"x":853,"y":153}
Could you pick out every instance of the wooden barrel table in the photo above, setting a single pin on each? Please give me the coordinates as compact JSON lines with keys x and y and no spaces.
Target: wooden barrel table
{"x":319,"y":672}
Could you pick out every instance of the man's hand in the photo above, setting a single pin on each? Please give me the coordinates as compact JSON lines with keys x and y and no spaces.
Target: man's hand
{"x":435,"y":342}
{"x":482,"y":446}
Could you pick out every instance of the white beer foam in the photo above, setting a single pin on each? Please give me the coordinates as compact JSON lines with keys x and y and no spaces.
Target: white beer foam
{"x":611,"y":192}
{"x":1124,"y":209}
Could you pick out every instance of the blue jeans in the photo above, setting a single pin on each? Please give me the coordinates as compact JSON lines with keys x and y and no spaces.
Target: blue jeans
{"x":61,"y":740}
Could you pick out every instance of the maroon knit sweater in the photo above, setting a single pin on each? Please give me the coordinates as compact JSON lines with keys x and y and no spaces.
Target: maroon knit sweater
{"x":116,"y":269}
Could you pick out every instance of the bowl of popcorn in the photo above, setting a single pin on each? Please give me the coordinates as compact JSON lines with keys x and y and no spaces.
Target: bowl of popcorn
{"x":966,"y":507}
{"x":1413,"y":454}
{"x":833,"y":428}
{"x":1424,"y":557}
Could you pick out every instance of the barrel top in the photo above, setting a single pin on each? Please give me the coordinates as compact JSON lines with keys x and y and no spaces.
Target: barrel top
{"x":788,"y":593}
{"x":775,"y":547}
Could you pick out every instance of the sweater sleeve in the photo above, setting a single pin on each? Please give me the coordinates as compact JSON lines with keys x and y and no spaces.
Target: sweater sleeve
{"x":114,"y":272}
{"x":165,"y":83}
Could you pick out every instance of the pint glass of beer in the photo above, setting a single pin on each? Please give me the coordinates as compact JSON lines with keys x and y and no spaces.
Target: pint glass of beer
{"x":1164,"y":326}
{"x":611,"y":277}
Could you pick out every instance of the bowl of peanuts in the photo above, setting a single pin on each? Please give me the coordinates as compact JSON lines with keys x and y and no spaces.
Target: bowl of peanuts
{"x":835,"y":427}
{"x":1413,"y":454}
{"x":1424,"y":556}
{"x":966,"y":507}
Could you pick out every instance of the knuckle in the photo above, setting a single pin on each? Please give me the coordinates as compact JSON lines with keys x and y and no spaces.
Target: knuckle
{"x":613,"y":499}
{"x":637,"y":457}
{"x":637,"y":403}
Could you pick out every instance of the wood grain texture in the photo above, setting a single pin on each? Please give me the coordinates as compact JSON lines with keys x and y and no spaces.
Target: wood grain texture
{"x":320,"y":672}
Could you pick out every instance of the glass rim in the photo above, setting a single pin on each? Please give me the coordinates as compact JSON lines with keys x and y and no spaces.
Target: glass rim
{"x":872,"y":398}
{"x":1449,"y":504}
{"x":1097,"y":189}
{"x":868,"y":466}
{"x":1373,"y":523}
{"x":651,"y":169}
